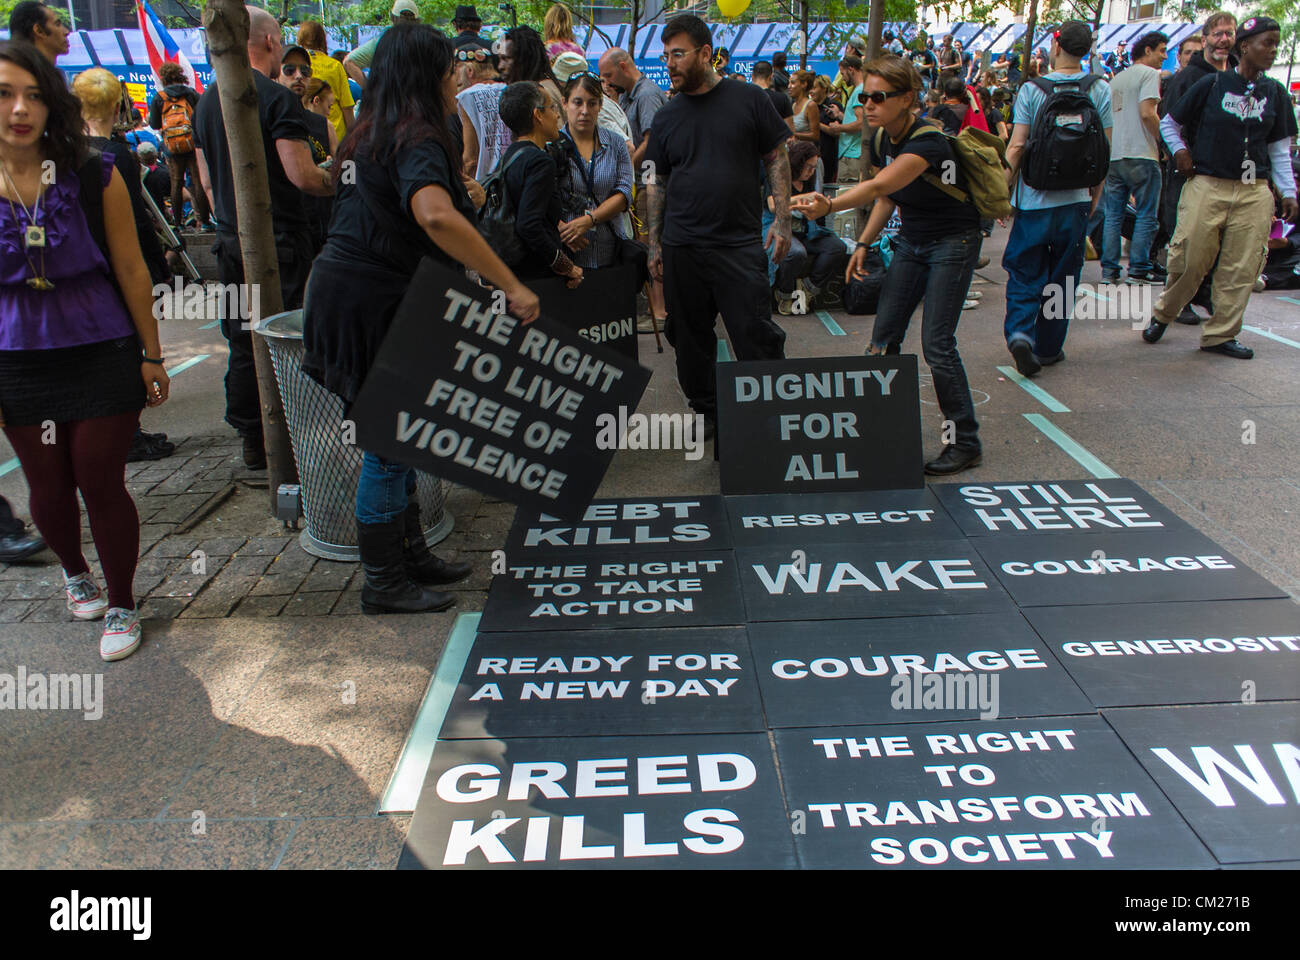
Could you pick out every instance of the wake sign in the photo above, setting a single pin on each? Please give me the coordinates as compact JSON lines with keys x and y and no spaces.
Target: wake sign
{"x":820,"y":424}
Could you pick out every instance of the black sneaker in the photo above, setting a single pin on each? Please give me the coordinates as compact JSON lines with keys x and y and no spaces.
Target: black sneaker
{"x":149,"y":446}
{"x":1154,"y":331}
{"x":19,"y":546}
{"x":1155,"y":276}
{"x":1231,"y":348}
{"x":1025,"y":361}
{"x":254,"y":453}
{"x":953,"y":460}
{"x":1189,"y":317}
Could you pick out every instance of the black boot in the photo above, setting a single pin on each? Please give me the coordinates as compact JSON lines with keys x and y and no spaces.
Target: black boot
{"x":388,"y":587}
{"x":421,"y":565}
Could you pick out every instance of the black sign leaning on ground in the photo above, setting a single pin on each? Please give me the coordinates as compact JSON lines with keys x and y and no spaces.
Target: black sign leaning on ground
{"x":1158,"y":653}
{"x":908,"y":670}
{"x":832,"y":581}
{"x":465,"y":391}
{"x":615,"y":682}
{"x":1232,"y":771}
{"x":1060,"y":506}
{"x":674,"y":802}
{"x":1054,"y":570}
{"x":585,"y":591}
{"x":601,"y":309}
{"x":878,"y":516}
{"x":626,"y":525}
{"x":819,"y":424}
{"x":1060,"y":793}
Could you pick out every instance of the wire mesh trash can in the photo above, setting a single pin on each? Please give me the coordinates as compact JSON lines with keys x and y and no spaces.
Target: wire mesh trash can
{"x":328,"y":468}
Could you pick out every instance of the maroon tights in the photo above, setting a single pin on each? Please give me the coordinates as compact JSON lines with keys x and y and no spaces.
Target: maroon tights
{"x":90,"y":456}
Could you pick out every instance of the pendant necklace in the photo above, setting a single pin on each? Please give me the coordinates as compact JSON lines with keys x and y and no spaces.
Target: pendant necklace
{"x":33,"y":234}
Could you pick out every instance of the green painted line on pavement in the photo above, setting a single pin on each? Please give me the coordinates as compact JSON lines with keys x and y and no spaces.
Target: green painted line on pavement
{"x":1071,"y":446}
{"x":829,"y":323}
{"x":1272,"y":336}
{"x":724,"y":351}
{"x":1087,"y":288}
{"x":8,"y":466}
{"x":209,"y":326}
{"x":1290,"y":300}
{"x":182,"y":367}
{"x":412,"y":763}
{"x":1034,"y":390}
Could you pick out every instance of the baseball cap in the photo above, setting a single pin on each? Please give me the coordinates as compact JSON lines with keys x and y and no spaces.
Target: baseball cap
{"x":146,"y":149}
{"x":405,"y":6}
{"x":1256,"y":25}
{"x":1074,"y":37}
{"x":294,"y":48}
{"x":567,"y":64}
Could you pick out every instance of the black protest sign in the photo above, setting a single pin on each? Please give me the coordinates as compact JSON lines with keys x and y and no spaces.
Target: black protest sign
{"x":601,"y":309}
{"x":1156,"y":653}
{"x":690,"y":801}
{"x":829,"y":581}
{"x":630,"y":524}
{"x":467,"y":392}
{"x":1232,"y":771}
{"x":1054,"y":570}
{"x":1061,"y":793}
{"x":614,"y":682}
{"x":879,"y":516}
{"x":819,"y":424}
{"x":908,"y":670}
{"x":1056,"y":506}
{"x":584,"y":591}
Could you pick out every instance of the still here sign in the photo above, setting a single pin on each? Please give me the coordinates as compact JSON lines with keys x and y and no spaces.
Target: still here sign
{"x":820,"y":424}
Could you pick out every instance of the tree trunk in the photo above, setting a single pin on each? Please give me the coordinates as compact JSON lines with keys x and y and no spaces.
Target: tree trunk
{"x":1031,"y":26}
{"x":803,"y":35}
{"x":875,"y":27}
{"x":226,"y":25}
{"x":631,"y":42}
{"x":1094,"y":64}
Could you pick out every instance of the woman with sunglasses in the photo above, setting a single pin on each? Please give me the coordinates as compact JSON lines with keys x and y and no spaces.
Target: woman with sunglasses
{"x":79,"y":350}
{"x":935,"y":252}
{"x":405,"y":201}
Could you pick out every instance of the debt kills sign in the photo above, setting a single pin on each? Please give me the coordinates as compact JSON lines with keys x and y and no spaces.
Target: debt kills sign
{"x":467,"y":392}
{"x":875,"y":515}
{"x":1062,"y":569}
{"x":695,"y":801}
{"x":1224,"y":651}
{"x":826,"y":581}
{"x":819,"y":424}
{"x":592,"y":592}
{"x":1232,"y":771}
{"x":615,"y":526}
{"x":556,"y":684}
{"x":1063,"y":506}
{"x":908,"y":670}
{"x":1061,"y":793}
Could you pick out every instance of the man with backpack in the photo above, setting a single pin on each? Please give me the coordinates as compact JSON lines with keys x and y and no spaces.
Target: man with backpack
{"x":171,"y":112}
{"x":1059,"y":154}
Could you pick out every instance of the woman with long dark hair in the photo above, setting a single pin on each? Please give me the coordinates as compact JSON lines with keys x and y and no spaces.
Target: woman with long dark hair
{"x":404,"y":200}
{"x":523,"y":57}
{"x":78,"y":359}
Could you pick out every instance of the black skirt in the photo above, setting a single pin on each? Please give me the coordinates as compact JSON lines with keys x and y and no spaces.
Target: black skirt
{"x":71,"y":383}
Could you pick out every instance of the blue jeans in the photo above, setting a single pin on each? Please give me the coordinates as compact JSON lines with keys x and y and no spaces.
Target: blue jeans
{"x":1044,"y":249}
{"x":940,"y":273}
{"x":384,"y":489}
{"x":1141,"y":178}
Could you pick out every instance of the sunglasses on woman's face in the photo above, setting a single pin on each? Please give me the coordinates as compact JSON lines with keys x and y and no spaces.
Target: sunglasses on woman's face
{"x":289,"y":69}
{"x":878,"y":97}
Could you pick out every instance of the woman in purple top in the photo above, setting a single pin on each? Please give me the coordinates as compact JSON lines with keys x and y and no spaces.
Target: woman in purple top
{"x":72,"y":375}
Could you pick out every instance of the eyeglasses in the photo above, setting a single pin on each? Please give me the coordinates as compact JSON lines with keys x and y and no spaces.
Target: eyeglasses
{"x":479,"y":55}
{"x":289,"y":69}
{"x":675,"y":55}
{"x":878,"y":97}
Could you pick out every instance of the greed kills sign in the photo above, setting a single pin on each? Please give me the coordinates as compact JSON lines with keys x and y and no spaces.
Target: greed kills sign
{"x":683,"y":523}
{"x":1053,"y":794}
{"x":819,"y":424}
{"x":698,"y":801}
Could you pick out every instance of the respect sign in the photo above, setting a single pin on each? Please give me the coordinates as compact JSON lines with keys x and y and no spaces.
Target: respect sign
{"x":820,"y":424}
{"x":469,"y":393}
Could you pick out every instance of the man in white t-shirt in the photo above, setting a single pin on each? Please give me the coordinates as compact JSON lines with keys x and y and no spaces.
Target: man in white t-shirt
{"x":485,"y":135}
{"x":1134,"y":163}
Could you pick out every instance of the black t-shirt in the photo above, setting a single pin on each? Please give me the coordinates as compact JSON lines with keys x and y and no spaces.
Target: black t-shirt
{"x":282,"y":118}
{"x":927,"y":213}
{"x":925,"y":62}
{"x":1234,"y":121}
{"x":949,"y":116}
{"x":783,"y":104}
{"x":158,"y":182}
{"x":129,"y":169}
{"x":708,"y":147}
{"x":372,"y":220}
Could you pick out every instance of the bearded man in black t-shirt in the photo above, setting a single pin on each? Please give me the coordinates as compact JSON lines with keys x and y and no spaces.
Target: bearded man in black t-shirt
{"x":1240,"y":124}
{"x":708,"y":148}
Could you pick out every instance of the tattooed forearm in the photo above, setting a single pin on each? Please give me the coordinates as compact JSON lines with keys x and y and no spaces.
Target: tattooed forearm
{"x":778,"y":176}
{"x":656,"y":198}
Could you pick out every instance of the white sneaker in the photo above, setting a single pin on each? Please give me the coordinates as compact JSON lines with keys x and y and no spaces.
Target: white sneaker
{"x":85,"y":599}
{"x":970,"y":304}
{"x":974,"y":294}
{"x":121,"y":634}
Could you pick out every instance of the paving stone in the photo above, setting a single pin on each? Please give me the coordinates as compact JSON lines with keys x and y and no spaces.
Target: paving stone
{"x":328,"y":575}
{"x":55,"y":609}
{"x":277,"y":585}
{"x":37,"y":588}
{"x":176,"y":547}
{"x":154,"y":532}
{"x":310,"y":605}
{"x":186,"y":583}
{"x":349,"y":602}
{"x":151,"y":571}
{"x":162,"y":608}
{"x":254,"y":606}
{"x":14,"y":610}
{"x":293,"y":559}
{"x":264,"y":546}
{"x":178,"y":508}
{"x":222,"y":546}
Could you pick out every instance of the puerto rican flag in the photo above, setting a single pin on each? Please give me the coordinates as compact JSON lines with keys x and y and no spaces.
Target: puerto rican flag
{"x":162,"y":48}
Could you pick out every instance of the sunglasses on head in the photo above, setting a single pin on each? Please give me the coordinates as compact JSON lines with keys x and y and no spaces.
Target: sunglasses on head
{"x":878,"y":97}
{"x":289,"y":69}
{"x":482,"y":56}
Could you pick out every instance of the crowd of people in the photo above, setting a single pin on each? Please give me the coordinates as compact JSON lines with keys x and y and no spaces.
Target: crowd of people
{"x":515,"y":161}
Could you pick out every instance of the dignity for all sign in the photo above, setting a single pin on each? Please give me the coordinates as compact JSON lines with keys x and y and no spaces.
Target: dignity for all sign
{"x":467,"y":392}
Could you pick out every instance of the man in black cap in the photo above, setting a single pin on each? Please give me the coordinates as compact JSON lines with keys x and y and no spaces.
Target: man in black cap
{"x":467,"y":24}
{"x":1241,"y":123}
